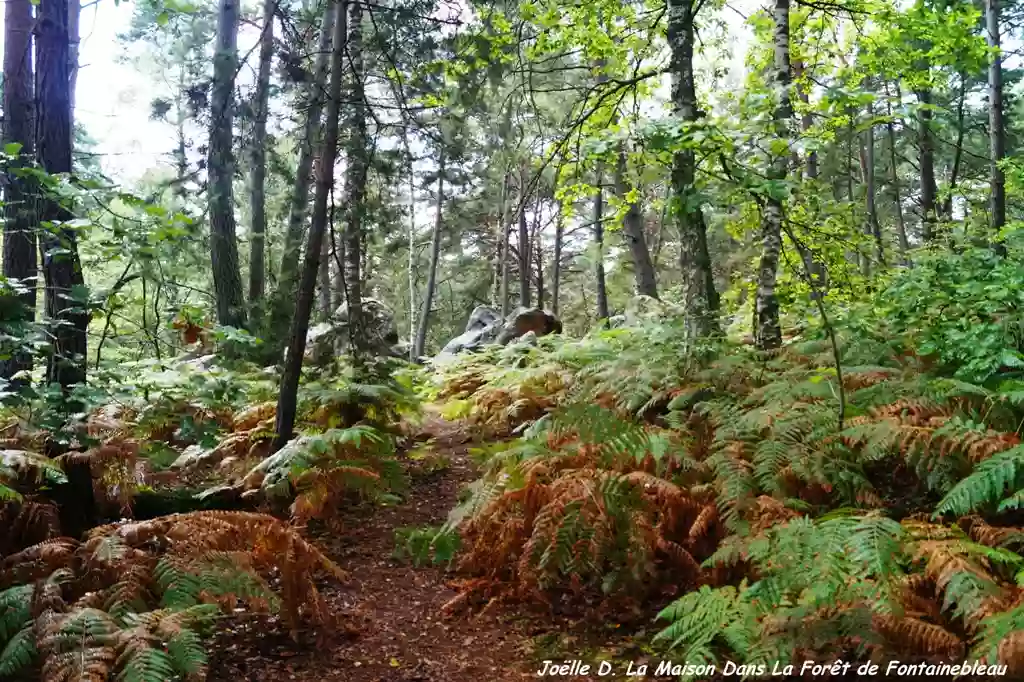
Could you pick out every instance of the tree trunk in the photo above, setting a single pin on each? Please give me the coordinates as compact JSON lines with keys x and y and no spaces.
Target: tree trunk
{"x":700,"y":297}
{"x":300,"y":190}
{"x":868,"y":170}
{"x":355,"y":183}
{"x":324,"y":277}
{"x":19,"y":250}
{"x":287,"y":400}
{"x":767,"y":332}
{"x":946,"y":210}
{"x":503,"y":250}
{"x":535,"y":239}
{"x":996,"y":127}
{"x":556,"y":264}
{"x":412,"y":247}
{"x":524,"y":245}
{"x":74,"y":41}
{"x":499,"y":243}
{"x":927,"y":162}
{"x":257,"y":189}
{"x":894,"y":179}
{"x":633,"y":232}
{"x":806,"y":122}
{"x":227,"y":278}
{"x":65,"y":284}
{"x":602,"y":291}
{"x":435,"y":254}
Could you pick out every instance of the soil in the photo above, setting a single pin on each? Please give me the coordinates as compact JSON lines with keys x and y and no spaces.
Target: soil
{"x":389,"y":612}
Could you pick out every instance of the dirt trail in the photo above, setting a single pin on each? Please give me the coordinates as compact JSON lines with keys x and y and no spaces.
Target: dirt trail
{"x":390,"y":609}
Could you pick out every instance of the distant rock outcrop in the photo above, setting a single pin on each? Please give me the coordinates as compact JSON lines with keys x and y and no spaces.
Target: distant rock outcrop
{"x":379,"y":330}
{"x":485,"y":327}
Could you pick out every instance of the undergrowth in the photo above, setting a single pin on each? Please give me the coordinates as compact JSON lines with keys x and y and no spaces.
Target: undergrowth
{"x":791,"y":517}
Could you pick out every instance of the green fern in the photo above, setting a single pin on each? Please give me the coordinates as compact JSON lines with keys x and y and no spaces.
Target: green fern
{"x":986,"y":485}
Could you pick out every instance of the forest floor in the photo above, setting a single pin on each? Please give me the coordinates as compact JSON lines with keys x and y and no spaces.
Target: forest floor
{"x":391,"y":627}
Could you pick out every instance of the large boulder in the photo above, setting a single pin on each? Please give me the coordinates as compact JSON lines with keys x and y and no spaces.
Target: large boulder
{"x":486,"y":327}
{"x":525,"y":320}
{"x":379,"y":330}
{"x":645,"y":308}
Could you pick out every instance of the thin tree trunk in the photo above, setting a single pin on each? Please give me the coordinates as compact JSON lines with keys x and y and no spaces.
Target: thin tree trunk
{"x":227,"y":278}
{"x":287,"y":400}
{"x":633,"y":232}
{"x":299,"y":201}
{"x":324,"y":277}
{"x":556,"y":264}
{"x":602,"y":290}
{"x":996,"y":127}
{"x":496,"y":263}
{"x":355,"y":183}
{"x":524,"y":245}
{"x":257,"y":189}
{"x":435,"y":254}
{"x":868,"y":171}
{"x":958,"y":151}
{"x":74,"y":41}
{"x":19,"y":208}
{"x":767,"y":332}
{"x":503,"y":250}
{"x":700,"y":298}
{"x":412,"y":248}
{"x":894,"y":179}
{"x":806,"y":122}
{"x":927,"y":162}
{"x":535,"y":239}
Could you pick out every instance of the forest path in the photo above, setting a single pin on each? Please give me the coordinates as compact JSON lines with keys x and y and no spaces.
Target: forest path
{"x":391,"y":609}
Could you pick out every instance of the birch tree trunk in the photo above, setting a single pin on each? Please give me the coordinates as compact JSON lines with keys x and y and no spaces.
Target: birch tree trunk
{"x":257,"y":188}
{"x":435,"y":254}
{"x":700,"y":298}
{"x":287,"y":399}
{"x":633,"y":233}
{"x":19,"y":251}
{"x":996,"y":126}
{"x":227,"y":278}
{"x":355,"y":183}
{"x":767,"y":332}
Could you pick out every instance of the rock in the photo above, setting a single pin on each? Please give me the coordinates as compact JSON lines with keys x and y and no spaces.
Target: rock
{"x":191,"y":457}
{"x":486,"y":327}
{"x":525,"y":320}
{"x":481,"y":317}
{"x":645,"y":308}
{"x":379,"y":329}
{"x":527,"y":339}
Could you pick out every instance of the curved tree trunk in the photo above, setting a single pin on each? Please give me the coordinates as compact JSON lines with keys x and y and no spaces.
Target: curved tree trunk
{"x":435,"y":254}
{"x":227,"y":278}
{"x":19,"y":255}
{"x":287,"y":399}
{"x":285,"y":295}
{"x":257,"y":188}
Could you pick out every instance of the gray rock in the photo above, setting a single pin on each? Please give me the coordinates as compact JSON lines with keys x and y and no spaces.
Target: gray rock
{"x":641,"y":308}
{"x":379,"y":329}
{"x":485,"y":327}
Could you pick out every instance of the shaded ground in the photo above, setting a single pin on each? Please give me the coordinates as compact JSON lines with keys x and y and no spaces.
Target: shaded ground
{"x":391,"y":625}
